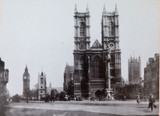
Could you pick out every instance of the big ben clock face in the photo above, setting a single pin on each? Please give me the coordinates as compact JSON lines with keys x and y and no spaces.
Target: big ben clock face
{"x":25,"y":77}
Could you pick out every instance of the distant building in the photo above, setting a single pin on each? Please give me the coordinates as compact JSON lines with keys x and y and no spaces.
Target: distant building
{"x":34,"y":92}
{"x":41,"y":86}
{"x":68,"y":77}
{"x":26,"y":83}
{"x":151,"y":76}
{"x":59,"y":89}
{"x":49,"y":88}
{"x":134,"y":70}
{"x":132,"y":90}
{"x":4,"y":75}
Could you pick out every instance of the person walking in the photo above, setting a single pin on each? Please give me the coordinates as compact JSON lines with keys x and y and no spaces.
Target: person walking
{"x":151,"y":102}
{"x":138,"y":99}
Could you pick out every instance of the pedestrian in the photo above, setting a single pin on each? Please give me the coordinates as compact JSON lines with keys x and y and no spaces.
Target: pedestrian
{"x":138,"y":99}
{"x":151,"y":102}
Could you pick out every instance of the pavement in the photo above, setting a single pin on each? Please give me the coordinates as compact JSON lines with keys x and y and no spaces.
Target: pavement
{"x":81,"y":108}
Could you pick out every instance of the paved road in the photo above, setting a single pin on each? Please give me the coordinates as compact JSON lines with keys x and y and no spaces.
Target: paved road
{"x":81,"y":108}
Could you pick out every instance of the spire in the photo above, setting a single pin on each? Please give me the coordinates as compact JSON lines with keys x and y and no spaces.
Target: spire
{"x":26,"y":69}
{"x":104,"y":9}
{"x":87,"y":10}
{"x":50,"y":85}
{"x":75,"y":10}
{"x":26,"y":73}
{"x":116,"y":11}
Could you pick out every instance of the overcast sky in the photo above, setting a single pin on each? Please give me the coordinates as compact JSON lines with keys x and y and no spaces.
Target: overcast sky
{"x":40,"y":34}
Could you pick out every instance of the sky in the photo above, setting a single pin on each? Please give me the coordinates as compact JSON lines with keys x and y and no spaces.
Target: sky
{"x":40,"y":34}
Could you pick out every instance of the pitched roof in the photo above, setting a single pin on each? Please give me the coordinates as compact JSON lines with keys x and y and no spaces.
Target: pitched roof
{"x":96,"y":44}
{"x":69,"y":69}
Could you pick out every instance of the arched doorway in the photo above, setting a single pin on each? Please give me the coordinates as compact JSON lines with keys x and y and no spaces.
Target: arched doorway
{"x":98,"y":94}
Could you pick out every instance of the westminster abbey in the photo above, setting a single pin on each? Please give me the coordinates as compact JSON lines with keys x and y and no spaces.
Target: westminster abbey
{"x":90,"y":62}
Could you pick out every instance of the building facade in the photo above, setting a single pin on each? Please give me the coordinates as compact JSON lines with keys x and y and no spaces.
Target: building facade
{"x":41,"y":86}
{"x":68,"y":79}
{"x":151,"y":77}
{"x":4,"y":75}
{"x":134,"y":70}
{"x":34,"y":92}
{"x":91,"y":62}
{"x":26,"y":83}
{"x":49,"y":89}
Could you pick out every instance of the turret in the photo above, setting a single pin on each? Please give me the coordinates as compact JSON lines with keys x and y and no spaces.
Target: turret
{"x":82,"y":30}
{"x":87,"y":10}
{"x":75,"y":10}
{"x":116,"y":11}
{"x":104,"y":10}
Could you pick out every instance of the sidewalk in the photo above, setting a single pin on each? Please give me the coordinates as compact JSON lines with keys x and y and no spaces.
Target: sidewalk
{"x":126,"y":108}
{"x":88,"y":102}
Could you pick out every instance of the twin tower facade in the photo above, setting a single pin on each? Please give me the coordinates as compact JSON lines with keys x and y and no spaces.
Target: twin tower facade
{"x":90,"y":62}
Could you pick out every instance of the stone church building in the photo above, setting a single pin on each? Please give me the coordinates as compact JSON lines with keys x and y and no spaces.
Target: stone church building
{"x":42,"y":86}
{"x":90,"y":62}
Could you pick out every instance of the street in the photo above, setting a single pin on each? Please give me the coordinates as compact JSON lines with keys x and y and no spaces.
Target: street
{"x":80,"y":108}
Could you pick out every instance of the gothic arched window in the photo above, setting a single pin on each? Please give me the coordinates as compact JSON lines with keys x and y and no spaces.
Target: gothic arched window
{"x":81,"y":62}
{"x":111,"y":29}
{"x":95,"y":67}
{"x":82,"y":29}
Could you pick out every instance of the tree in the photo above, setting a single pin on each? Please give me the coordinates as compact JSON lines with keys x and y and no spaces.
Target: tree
{"x":62,"y":95}
{"x":16,"y":98}
{"x":53,"y":94}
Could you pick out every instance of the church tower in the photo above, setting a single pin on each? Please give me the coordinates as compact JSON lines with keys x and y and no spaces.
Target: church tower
{"x":41,"y":86}
{"x":110,"y":29}
{"x":82,"y":30}
{"x":82,"y":45}
{"x":26,"y":82}
{"x":110,"y":40}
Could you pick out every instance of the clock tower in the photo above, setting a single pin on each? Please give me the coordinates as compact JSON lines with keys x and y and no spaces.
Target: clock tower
{"x":26,"y":82}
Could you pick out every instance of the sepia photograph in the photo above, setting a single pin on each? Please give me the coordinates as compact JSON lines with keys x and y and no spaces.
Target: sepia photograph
{"x":79,"y":57}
